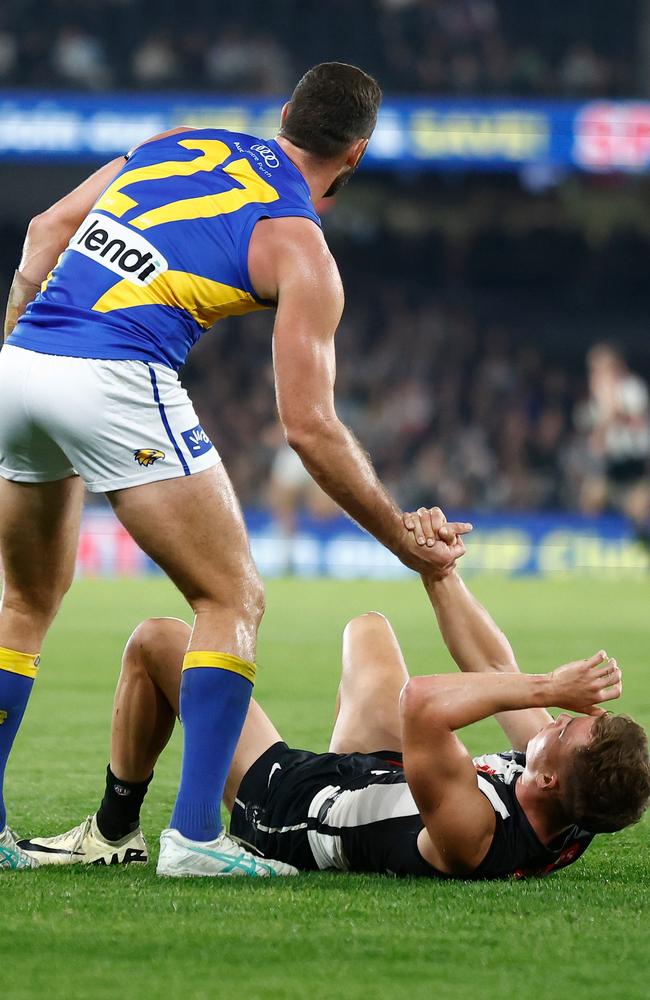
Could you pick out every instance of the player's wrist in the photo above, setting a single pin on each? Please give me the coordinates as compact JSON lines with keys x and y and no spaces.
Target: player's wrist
{"x":544,"y":690}
{"x":439,"y":585}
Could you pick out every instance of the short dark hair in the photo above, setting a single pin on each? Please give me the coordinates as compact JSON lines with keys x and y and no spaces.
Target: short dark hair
{"x":332,"y":106}
{"x":607,"y":785}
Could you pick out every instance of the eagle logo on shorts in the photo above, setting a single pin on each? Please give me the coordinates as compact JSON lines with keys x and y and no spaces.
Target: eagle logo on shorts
{"x":147,"y":456}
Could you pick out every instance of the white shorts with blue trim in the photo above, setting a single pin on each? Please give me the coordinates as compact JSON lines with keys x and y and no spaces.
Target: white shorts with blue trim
{"x":114,"y":423}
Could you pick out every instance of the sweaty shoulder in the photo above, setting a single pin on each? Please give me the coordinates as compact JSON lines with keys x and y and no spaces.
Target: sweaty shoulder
{"x":290,"y":253}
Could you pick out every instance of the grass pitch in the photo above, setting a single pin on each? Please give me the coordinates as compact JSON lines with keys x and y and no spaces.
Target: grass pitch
{"x":108,"y":933}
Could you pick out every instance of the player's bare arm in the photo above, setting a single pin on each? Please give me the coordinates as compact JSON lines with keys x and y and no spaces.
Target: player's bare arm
{"x":471,"y":635}
{"x":290,"y":263}
{"x":48,"y":235}
{"x":459,"y":821}
{"x":478,"y":645}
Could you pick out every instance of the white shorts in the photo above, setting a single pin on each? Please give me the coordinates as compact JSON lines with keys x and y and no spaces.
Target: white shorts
{"x":115,"y":423}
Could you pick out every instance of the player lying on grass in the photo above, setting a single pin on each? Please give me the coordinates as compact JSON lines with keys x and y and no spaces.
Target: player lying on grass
{"x":398,"y":792}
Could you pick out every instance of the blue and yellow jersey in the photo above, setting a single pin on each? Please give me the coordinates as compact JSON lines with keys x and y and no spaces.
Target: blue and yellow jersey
{"x":164,"y":253}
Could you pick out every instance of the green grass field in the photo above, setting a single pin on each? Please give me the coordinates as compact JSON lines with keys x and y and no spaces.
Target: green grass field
{"x":108,"y":933}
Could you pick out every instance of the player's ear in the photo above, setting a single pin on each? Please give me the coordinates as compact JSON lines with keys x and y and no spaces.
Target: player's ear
{"x":355,"y":152}
{"x":546,"y":780}
{"x":284,"y":113}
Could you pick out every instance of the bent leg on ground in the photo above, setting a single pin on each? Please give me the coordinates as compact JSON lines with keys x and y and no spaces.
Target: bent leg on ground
{"x":373,"y":674}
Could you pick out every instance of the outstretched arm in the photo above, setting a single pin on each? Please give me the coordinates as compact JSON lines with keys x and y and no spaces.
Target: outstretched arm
{"x":48,"y":235}
{"x":289,"y":262}
{"x":478,"y":645}
{"x":471,"y":635}
{"x":459,"y":821}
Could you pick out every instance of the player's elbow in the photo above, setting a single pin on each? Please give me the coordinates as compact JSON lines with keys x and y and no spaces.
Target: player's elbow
{"x":38,"y":225}
{"x":306,"y":432}
{"x":47,"y":226}
{"x":420,"y":698}
{"x":412,"y":697}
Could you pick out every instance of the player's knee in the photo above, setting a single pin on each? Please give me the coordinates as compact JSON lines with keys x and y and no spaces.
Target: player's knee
{"x":37,"y":602}
{"x":242,"y":596}
{"x":371,"y":621}
{"x":258,"y":596}
{"x":152,"y":640}
{"x":254,"y":597}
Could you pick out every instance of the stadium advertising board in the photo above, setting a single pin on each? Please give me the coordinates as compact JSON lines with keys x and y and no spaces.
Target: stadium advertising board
{"x":514,"y":545}
{"x":411,"y":134}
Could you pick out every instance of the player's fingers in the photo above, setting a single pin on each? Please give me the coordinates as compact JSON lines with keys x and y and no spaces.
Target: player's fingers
{"x":610,"y":670}
{"x":596,"y":659}
{"x":595,"y":710}
{"x":419,"y":530}
{"x":460,"y":527}
{"x":447,"y":534}
{"x":429,"y":530}
{"x":413,"y":524}
{"x":611,"y":692}
{"x":457,"y":550}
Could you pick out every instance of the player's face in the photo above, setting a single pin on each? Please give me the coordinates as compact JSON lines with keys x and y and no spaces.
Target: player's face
{"x":345,"y":175}
{"x":339,"y":182}
{"x":553,"y":745}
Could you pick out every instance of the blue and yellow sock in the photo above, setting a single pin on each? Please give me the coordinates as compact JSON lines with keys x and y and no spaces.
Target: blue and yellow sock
{"x":216,"y":690}
{"x":17,"y":674}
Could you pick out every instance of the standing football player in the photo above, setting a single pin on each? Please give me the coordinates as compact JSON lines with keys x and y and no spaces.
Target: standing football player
{"x":117,"y":281}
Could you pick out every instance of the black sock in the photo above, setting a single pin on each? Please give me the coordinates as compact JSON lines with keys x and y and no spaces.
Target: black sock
{"x":119,"y":813}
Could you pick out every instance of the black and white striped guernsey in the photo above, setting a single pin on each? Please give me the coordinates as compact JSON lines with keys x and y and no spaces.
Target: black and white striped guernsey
{"x":355,"y":812}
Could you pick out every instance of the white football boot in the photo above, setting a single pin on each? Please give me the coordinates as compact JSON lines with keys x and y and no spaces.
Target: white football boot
{"x":223,"y":856}
{"x":85,"y":845}
{"x":11,"y":855}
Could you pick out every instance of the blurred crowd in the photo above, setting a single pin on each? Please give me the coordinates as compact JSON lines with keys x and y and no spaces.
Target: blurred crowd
{"x":465,"y":355}
{"x":412,"y":46}
{"x":452,"y":410}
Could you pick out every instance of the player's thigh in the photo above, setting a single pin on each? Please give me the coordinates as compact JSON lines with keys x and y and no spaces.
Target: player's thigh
{"x":374,"y":673}
{"x":194,"y":529}
{"x":258,"y":735}
{"x":39,"y":533}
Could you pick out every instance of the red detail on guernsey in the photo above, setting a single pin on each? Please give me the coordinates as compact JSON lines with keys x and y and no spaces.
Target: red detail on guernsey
{"x":566,"y":857}
{"x":484,"y":769}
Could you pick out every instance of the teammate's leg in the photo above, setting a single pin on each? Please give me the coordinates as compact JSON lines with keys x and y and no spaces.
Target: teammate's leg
{"x":193,"y":528}
{"x":146,"y":706}
{"x":372,"y":677}
{"x":144,"y":711}
{"x":39,"y":531}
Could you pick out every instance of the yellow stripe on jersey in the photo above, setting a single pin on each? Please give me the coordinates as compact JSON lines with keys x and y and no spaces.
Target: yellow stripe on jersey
{"x":221,"y":661}
{"x":46,"y":281}
{"x":25,"y":664}
{"x":254,"y":189}
{"x":205,"y":300}
{"x":213,"y":153}
{"x":117,"y":203}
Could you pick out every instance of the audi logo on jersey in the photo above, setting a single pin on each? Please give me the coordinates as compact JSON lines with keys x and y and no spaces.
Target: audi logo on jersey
{"x":267,"y":155}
